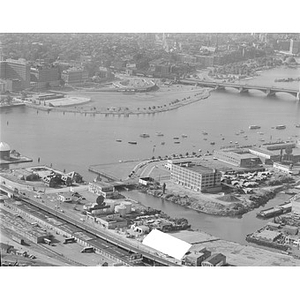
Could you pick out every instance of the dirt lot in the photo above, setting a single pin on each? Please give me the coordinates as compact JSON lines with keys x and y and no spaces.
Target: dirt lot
{"x":236,"y":254}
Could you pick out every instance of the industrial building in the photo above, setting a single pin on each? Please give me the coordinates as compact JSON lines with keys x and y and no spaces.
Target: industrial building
{"x":217,"y":259}
{"x":101,"y":188}
{"x":167,"y":244}
{"x":196,"y":258}
{"x":109,"y":221}
{"x":196,"y":177}
{"x":237,"y":157}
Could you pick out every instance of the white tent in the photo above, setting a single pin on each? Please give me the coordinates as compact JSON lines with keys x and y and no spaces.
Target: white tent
{"x":167,"y":244}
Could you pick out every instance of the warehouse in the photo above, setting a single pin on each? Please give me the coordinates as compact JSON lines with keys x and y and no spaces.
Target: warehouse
{"x":196,"y":177}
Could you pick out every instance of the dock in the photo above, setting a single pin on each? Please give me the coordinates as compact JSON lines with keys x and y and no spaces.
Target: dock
{"x":275,"y":211}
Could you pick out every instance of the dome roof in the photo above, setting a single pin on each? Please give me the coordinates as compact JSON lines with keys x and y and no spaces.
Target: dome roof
{"x":4,"y":147}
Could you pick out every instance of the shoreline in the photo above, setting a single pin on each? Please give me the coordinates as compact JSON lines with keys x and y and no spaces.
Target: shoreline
{"x":242,"y":208}
{"x":205,"y":93}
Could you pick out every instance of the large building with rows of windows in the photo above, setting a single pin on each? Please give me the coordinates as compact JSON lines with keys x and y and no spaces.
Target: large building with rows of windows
{"x":195,"y":176}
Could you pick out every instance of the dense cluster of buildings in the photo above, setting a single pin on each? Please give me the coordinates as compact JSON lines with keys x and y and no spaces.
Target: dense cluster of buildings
{"x":19,"y":74}
{"x":283,"y":156}
{"x":75,"y":59}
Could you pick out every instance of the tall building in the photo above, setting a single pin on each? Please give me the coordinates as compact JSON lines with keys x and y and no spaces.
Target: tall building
{"x":16,"y":72}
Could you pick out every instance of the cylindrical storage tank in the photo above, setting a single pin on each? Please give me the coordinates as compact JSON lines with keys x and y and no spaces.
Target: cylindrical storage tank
{"x":120,"y":209}
{"x":128,"y":206}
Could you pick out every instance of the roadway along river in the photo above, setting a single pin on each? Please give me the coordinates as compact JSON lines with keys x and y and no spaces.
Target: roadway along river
{"x":74,"y":141}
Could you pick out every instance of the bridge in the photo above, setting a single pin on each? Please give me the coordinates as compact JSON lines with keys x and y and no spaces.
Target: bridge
{"x":242,"y":88}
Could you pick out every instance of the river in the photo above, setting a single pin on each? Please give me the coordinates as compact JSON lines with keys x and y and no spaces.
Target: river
{"x":75,"y":141}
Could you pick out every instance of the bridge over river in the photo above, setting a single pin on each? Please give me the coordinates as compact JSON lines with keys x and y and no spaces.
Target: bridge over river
{"x":242,"y":88}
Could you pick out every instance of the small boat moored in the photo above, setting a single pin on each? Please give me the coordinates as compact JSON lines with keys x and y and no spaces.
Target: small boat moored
{"x":132,"y":142}
{"x":254,"y":127}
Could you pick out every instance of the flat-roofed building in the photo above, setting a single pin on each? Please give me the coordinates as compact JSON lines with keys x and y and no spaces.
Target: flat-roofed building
{"x":104,"y":189}
{"x":267,"y":156}
{"x":239,"y":158}
{"x":74,"y":75}
{"x":196,"y":177}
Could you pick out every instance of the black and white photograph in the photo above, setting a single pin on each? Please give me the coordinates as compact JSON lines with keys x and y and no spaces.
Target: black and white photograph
{"x":153,"y":147}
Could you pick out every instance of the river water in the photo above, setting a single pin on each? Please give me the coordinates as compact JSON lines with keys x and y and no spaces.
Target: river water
{"x":75,"y":141}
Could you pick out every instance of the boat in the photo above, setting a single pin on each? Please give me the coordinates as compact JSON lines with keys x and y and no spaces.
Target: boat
{"x":236,"y":143}
{"x":298,"y":125}
{"x":132,"y":142}
{"x":242,"y":131}
{"x":254,"y":127}
{"x":230,"y":142}
{"x":223,"y":139}
{"x":280,"y":127}
{"x":175,"y":138}
{"x":184,"y":135}
{"x":159,"y":134}
{"x":162,"y":143}
{"x":119,"y":140}
{"x":205,"y":139}
{"x":144,"y":135}
{"x":205,"y":133}
{"x":176,"y":142}
{"x":212,"y":143}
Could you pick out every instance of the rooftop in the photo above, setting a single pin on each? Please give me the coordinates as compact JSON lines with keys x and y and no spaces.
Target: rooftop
{"x":200,"y":169}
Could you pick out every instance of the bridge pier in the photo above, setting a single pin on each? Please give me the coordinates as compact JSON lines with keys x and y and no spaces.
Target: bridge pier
{"x":243,"y":90}
{"x":270,"y":93}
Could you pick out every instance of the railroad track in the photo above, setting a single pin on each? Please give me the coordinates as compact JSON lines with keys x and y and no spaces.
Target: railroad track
{"x":45,"y":250}
{"x":115,"y":242}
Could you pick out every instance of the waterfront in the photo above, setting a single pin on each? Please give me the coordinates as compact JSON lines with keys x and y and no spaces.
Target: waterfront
{"x":75,"y":141}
